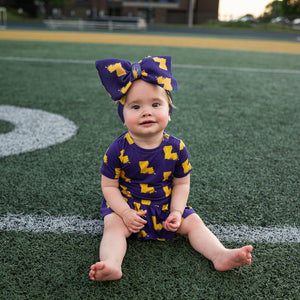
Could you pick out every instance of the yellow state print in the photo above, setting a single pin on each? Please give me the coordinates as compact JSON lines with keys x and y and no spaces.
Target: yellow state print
{"x":181,"y":145}
{"x":162,"y":62}
{"x":142,"y":234}
{"x":122,"y":175}
{"x":146,"y":202}
{"x":167,"y":175}
{"x":137,"y":206}
{"x":166,"y":82}
{"x":146,"y":189}
{"x":144,"y":167}
{"x":117,"y":172}
{"x":125,"y":192}
{"x":118,"y":68}
{"x":186,"y":166}
{"x":165,"y":207}
{"x":128,"y":138}
{"x":169,"y":154}
{"x":125,"y":88}
{"x":123,"y":159}
{"x":144,"y":73}
{"x":167,"y":190}
{"x":156,"y":226}
{"x":122,"y":100}
{"x":166,"y":135}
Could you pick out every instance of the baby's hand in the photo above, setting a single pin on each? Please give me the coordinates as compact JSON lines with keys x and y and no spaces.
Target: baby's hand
{"x":132,"y":219}
{"x":173,"y":221}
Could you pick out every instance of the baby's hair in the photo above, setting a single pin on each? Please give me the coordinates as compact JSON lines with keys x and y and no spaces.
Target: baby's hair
{"x":170,"y":100}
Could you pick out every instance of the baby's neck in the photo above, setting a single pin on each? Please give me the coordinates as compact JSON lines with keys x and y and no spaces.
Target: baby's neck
{"x":149,"y":142}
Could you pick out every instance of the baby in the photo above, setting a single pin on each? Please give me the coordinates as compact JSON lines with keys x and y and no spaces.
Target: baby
{"x":146,"y":172}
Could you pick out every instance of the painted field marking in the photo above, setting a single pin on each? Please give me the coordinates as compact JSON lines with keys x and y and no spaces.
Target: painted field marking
{"x":184,"y":66}
{"x":34,"y":129}
{"x":80,"y":225}
{"x":153,"y":40}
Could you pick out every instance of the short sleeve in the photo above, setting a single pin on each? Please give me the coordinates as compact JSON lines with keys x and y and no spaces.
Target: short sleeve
{"x":111,"y":166}
{"x":183,"y":166}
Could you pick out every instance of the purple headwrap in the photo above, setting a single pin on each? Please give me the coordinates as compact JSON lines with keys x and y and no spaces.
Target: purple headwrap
{"x":118,"y":75}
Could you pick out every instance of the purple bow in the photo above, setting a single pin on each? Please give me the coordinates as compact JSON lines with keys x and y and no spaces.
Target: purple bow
{"x":118,"y":75}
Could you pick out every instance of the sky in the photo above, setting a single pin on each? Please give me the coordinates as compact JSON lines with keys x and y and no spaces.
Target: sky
{"x":232,"y":9}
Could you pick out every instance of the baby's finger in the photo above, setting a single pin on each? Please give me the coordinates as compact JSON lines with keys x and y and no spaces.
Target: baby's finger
{"x":166,"y":225}
{"x":142,"y":221}
{"x":135,"y":229}
{"x":171,"y":226}
{"x":141,"y":213}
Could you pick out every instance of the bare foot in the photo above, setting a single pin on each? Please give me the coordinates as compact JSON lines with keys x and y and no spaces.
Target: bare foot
{"x":233,"y":258}
{"x":101,"y":271}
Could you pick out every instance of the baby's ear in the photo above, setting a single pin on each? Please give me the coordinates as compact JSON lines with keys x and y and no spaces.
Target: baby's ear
{"x":169,"y":118}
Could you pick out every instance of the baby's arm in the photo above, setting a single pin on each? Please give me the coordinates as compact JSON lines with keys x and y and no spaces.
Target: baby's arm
{"x":113,"y":196}
{"x":180,"y":193}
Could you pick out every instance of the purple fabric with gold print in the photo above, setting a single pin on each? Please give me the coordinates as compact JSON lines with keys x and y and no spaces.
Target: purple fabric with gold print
{"x":118,"y":75}
{"x":145,"y":179}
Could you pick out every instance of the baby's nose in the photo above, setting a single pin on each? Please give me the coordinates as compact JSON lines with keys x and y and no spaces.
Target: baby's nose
{"x":147,"y":113}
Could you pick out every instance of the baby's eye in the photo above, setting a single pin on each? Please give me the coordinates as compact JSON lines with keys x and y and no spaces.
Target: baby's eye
{"x":155,"y":104}
{"x":135,"y":106}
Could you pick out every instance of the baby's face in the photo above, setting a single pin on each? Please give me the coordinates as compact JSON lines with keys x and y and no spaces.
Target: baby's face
{"x":146,"y":109}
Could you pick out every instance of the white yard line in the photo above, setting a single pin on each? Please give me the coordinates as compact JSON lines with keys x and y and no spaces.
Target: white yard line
{"x":34,"y":129}
{"x":80,"y":225}
{"x":91,"y":62}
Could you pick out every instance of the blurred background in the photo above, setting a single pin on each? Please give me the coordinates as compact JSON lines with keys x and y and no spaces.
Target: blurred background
{"x":226,"y":13}
{"x":278,"y":15}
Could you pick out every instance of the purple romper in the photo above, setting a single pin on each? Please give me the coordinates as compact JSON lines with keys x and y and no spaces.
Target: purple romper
{"x":145,"y":179}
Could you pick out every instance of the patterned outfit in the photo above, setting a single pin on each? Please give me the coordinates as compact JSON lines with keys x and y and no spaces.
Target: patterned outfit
{"x":145,"y":176}
{"x":145,"y":179}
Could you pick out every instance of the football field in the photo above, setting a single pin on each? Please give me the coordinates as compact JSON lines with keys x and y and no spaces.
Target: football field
{"x":238,"y":113}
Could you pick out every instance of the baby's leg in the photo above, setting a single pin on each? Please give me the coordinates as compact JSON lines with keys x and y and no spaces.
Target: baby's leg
{"x":112,"y":250}
{"x":206,"y":243}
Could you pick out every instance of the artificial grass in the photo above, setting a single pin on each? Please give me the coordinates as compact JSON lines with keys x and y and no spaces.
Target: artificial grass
{"x":207,"y":57}
{"x":5,"y":127}
{"x":241,"y":129}
{"x":51,"y":266}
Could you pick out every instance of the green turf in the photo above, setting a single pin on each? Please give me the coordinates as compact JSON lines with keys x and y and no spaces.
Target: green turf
{"x":6,"y":127}
{"x":48,"y":266}
{"x":242,"y":132}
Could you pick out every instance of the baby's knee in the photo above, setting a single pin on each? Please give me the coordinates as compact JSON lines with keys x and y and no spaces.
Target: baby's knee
{"x":114,"y":222}
{"x":190,"y":223}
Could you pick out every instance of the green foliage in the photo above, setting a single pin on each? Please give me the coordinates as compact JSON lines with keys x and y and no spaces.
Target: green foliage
{"x":284,"y":8}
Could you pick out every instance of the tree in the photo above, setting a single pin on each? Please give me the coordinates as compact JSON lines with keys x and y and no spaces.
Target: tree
{"x":29,"y":8}
{"x":285,"y":8}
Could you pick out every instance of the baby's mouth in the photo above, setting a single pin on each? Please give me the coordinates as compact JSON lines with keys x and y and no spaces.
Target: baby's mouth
{"x":147,"y":122}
